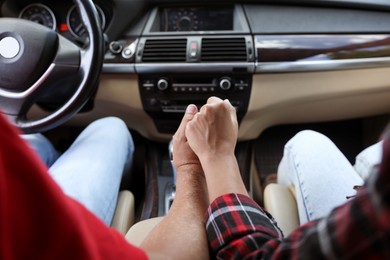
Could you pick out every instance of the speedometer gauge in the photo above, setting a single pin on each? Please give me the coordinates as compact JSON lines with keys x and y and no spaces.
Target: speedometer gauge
{"x":39,"y":13}
{"x":76,"y":26}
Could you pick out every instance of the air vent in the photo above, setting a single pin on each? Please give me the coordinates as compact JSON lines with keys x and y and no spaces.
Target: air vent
{"x":224,"y":49}
{"x":165,"y":50}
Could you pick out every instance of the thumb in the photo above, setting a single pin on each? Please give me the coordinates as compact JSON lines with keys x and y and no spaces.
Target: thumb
{"x":189,"y":114}
{"x":191,"y":111}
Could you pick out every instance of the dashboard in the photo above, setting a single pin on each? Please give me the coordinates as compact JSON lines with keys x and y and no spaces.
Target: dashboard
{"x":279,"y":62}
{"x":62,"y":17}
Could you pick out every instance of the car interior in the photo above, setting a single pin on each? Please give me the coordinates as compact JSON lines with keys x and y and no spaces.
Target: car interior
{"x":285,"y":66}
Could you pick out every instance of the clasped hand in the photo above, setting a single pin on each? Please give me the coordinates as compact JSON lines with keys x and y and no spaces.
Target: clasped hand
{"x":205,"y":135}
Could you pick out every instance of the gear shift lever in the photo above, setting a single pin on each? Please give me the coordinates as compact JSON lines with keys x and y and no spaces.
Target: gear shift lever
{"x":170,"y":150}
{"x":170,"y":189}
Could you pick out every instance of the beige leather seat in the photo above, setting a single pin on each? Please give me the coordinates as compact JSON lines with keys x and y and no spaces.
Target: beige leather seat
{"x":278,"y":200}
{"x":281,"y":203}
{"x":124,"y":213}
{"x":124,"y":218}
{"x":140,"y":230}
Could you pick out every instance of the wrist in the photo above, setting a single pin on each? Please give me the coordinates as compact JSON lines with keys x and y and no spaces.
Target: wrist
{"x":218,"y":159}
{"x":223,"y":176}
{"x":188,"y":176}
{"x":191,"y":186}
{"x":189,"y":169}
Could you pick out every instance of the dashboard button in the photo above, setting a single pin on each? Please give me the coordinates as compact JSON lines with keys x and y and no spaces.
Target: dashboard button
{"x":162,"y":84}
{"x":127,"y":53}
{"x":115,"y":47}
{"x":225,"y":84}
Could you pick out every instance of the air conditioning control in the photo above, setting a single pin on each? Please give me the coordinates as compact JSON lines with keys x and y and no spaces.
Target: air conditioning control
{"x":225,"y":83}
{"x":162,"y":84}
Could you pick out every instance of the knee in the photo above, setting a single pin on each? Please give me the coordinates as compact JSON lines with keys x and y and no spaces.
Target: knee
{"x":109,"y":124}
{"x":113,"y":124}
{"x":308,"y":138}
{"x":308,"y":144}
{"x":305,"y":147}
{"x":112,"y":128}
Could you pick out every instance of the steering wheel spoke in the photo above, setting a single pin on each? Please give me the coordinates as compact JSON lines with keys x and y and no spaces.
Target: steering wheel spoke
{"x":40,"y":60}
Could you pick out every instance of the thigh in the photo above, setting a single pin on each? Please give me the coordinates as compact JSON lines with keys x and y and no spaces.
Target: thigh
{"x":321,"y":174}
{"x":91,"y":169}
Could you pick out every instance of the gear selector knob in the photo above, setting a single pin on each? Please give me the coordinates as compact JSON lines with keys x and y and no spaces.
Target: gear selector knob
{"x":170,"y":151}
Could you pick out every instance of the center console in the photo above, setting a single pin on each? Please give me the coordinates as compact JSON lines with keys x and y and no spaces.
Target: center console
{"x":187,"y":54}
{"x":184,"y":55}
{"x":166,"y":96}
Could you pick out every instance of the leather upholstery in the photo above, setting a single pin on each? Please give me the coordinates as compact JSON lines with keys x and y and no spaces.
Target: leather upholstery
{"x":278,"y":200}
{"x":140,"y":230}
{"x":124,"y":213}
{"x":281,"y":203}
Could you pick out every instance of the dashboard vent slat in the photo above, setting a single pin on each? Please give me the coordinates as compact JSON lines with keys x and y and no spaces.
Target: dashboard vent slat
{"x":224,"y":49}
{"x":165,"y":50}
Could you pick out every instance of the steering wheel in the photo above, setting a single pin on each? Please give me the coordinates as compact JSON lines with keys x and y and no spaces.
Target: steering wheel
{"x":34,"y":58}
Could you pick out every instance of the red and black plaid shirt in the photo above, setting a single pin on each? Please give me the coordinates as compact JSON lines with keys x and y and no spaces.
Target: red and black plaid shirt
{"x":237,"y":228}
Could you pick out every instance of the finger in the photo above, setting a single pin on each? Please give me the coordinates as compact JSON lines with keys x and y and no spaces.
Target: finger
{"x":179,"y":137}
{"x":213,"y":99}
{"x":188,"y":115}
{"x":230,"y":106}
{"x":227,"y":101}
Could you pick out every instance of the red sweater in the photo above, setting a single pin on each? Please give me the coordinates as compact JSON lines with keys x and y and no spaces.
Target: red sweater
{"x":38,"y":221}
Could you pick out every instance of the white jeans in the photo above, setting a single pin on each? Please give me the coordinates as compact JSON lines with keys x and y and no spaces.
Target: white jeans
{"x":91,"y":170}
{"x":322,"y":176}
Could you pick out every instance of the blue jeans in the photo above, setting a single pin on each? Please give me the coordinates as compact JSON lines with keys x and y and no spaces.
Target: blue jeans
{"x":321,"y":174}
{"x":91,"y":170}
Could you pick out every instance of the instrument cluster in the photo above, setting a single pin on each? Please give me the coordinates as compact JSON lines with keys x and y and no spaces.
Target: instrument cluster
{"x":68,"y":22}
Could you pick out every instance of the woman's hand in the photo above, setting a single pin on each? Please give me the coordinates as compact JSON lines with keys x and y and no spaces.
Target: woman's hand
{"x":212,"y":133}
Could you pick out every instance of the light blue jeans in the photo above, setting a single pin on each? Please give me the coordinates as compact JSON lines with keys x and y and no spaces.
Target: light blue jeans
{"x":321,"y":174}
{"x":91,"y":170}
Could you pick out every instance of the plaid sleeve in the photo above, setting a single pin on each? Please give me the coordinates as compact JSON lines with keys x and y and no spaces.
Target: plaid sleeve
{"x":237,"y":228}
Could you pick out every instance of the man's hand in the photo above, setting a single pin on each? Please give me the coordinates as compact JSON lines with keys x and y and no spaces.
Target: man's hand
{"x":181,"y":234}
{"x":182,"y":153}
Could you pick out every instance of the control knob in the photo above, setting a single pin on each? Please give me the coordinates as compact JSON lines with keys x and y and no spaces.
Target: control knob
{"x":162,"y":84}
{"x":225,"y":84}
{"x":115,"y":47}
